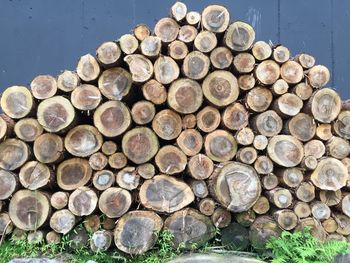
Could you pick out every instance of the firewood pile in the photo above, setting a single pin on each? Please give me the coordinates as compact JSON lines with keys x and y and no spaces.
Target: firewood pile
{"x":193,"y":126}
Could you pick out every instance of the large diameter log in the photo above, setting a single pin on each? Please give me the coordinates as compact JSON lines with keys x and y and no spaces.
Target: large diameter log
{"x":208,"y":119}
{"x":115,"y":202}
{"x":200,"y":166}
{"x":235,"y":237}
{"x":267,"y":72}
{"x":330,"y":174}
{"x":235,"y":116}
{"x":13,"y":154}
{"x":103,"y":179}
{"x":8,"y":184}
{"x":62,"y":221}
{"x":190,"y":142}
{"x":83,"y":140}
{"x":27,"y":129}
{"x":196,"y":65}
{"x":268,"y":123}
{"x":82,"y":201}
{"x":67,"y":81}
{"x":342,"y":125}
{"x":88,"y":68}
{"x":154,"y":91}
{"x":73,"y":173}
{"x":140,"y":145}
{"x":318,"y":76}
{"x":164,"y":193}
{"x":221,"y":57}
{"x":34,"y":175}
{"x":239,"y":36}
{"x":29,"y":210}
{"x":259,"y":99}
{"x":108,"y":53}
{"x":128,"y":178}
{"x":325,"y":105}
{"x":215,"y":18}
{"x":233,"y":182}
{"x":112,"y":118}
{"x":263,"y":228}
{"x":189,"y":227}
{"x":101,"y":240}
{"x":17,"y":102}
{"x":302,"y":126}
{"x":59,"y":200}
{"x":141,"y":68}
{"x":55,"y":114}
{"x":86,"y":97}
{"x":285,"y":150}
{"x":43,"y":87}
{"x":167,"y":124}
{"x":338,"y":147}
{"x":48,"y":148}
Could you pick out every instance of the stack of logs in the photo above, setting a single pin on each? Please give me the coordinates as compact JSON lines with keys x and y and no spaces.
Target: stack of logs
{"x":191,"y":127}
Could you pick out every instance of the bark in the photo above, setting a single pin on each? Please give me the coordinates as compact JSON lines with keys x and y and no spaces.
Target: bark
{"x":128,"y":178}
{"x":220,"y":146}
{"x":190,"y":141}
{"x":62,"y":221}
{"x":48,"y":148}
{"x":221,"y":58}
{"x":239,"y":36}
{"x":27,"y":129}
{"x":208,"y":119}
{"x":215,"y":18}
{"x":128,"y":44}
{"x":35,"y":175}
{"x":108,"y":54}
{"x":67,"y":81}
{"x":83,"y":201}
{"x":43,"y":87}
{"x":86,"y":97}
{"x":88,"y":68}
{"x":98,"y":161}
{"x":115,"y":202}
{"x":167,"y":124}
{"x":103,"y":179}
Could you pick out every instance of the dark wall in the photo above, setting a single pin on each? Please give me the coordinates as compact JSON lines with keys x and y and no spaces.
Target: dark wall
{"x":47,"y":36}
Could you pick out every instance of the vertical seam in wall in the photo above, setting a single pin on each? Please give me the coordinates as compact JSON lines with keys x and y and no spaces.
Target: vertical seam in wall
{"x":332,"y":45}
{"x":279,"y":21}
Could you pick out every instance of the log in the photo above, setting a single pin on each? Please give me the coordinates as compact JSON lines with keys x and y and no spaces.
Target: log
{"x":17,"y":102}
{"x":343,"y":224}
{"x":108,"y":223}
{"x":98,"y":161}
{"x":303,"y":90}
{"x":286,"y":219}
{"x":318,"y":76}
{"x":177,"y":50}
{"x":35,"y":175}
{"x":235,"y":237}
{"x":6,"y":225}
{"x":199,"y":188}
{"x":170,"y":160}
{"x":78,"y":238}
{"x":141,"y":31}
{"x":29,"y":210}
{"x":166,"y":29}
{"x":143,"y":112}
{"x":247,"y":155}
{"x":43,"y":87}
{"x":309,"y":163}
{"x":292,"y":72}
{"x":195,"y":65}
{"x":246,"y":82}
{"x":166,"y":70}
{"x":8,"y":184}
{"x":27,"y":129}
{"x":167,"y":124}
{"x":206,"y":206}
{"x":280,"y":197}
{"x":215,"y":18}
{"x":305,"y":192}
{"x":190,"y":141}
{"x":101,"y":240}
{"x":262,"y":206}
{"x":245,"y":136}
{"x":302,"y":126}
{"x":193,"y":18}
{"x":52,"y":238}
{"x":314,"y":148}
{"x":331,"y":198}
{"x":341,"y":125}
{"x":221,"y":217}
{"x":137,"y":231}
{"x":288,"y":105}
{"x":200,"y":166}
{"x":140,"y":67}
{"x":189,"y":227}
{"x":62,"y":221}
{"x":108,"y":54}
{"x":48,"y":148}
{"x":239,"y":36}
{"x":305,"y":60}
{"x":320,"y":211}
{"x":244,"y":63}
{"x":221,"y":58}
{"x":103,"y":179}
{"x":128,"y":178}
{"x":146,"y":170}
{"x":128,"y":44}
{"x":263,"y":165}
{"x":316,"y":228}
{"x":178,"y":11}
{"x":154,"y":92}
{"x":83,"y":201}
{"x":220,"y":146}
{"x":189,"y":121}
{"x":290,"y":177}
{"x":269,"y":181}
{"x":92,"y":223}
{"x":205,"y":41}
{"x":267,"y":72}
{"x":208,"y":119}
{"x":338,"y":148}
{"x":115,"y":202}
{"x":246,"y":218}
{"x":330,"y":225}
{"x":13,"y":154}
{"x":263,"y":228}
{"x":164,"y":193}
{"x":7,"y":126}
{"x":73,"y":173}
{"x":261,"y":50}
{"x":37,"y":237}
{"x":67,"y":81}
{"x":187,"y":34}
{"x":281,"y":54}
{"x":267,"y":123}
{"x":280,"y":87}
{"x":345,"y":205}
{"x":260,"y":142}
{"x":59,"y":200}
{"x":109,"y":147}
{"x":235,"y":117}
{"x":86,"y":97}
{"x":259,"y":99}
{"x":302,"y":209}
{"x":88,"y":68}
{"x":117,"y":160}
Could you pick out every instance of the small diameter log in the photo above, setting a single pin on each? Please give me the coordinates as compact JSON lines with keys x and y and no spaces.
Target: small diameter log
{"x":178,"y":11}
{"x":43,"y":87}
{"x":235,"y":116}
{"x":199,"y":188}
{"x":167,"y":124}
{"x":235,"y":237}
{"x":290,"y":177}
{"x":108,"y":223}
{"x":302,"y":209}
{"x":92,"y":223}
{"x":78,"y":238}
{"x":141,"y":31}
{"x":6,"y":225}
{"x":112,"y":118}
{"x":263,"y":165}
{"x":13,"y":154}
{"x":59,"y":200}
{"x":115,"y":202}
{"x":189,"y":227}
{"x":196,"y":65}
{"x":246,"y":218}
{"x":206,"y":206}
{"x":73,"y":173}
{"x":309,"y":163}
{"x":166,"y":29}
{"x":244,"y":62}
{"x":330,"y":174}
{"x":208,"y":119}
{"x":137,"y":231}
{"x":62,"y":221}
{"x":200,"y":166}
{"x":267,"y":72}
{"x":177,"y":50}
{"x":343,"y":224}
{"x":281,"y":54}
{"x":215,"y":18}
{"x":280,"y":87}
{"x":88,"y":68}
{"x":268,"y":123}
{"x":101,"y":240}
{"x":108,"y":53}
{"x":288,"y":104}
{"x":239,"y":36}
{"x":260,"y":142}
{"x":205,"y":41}
{"x":302,"y":126}
{"x":109,"y":147}
{"x":171,"y":160}
{"x":338,"y":147}
{"x":83,"y":201}
{"x":154,"y":92}
{"x":331,"y":198}
{"x":8,"y":184}
{"x":185,"y":96}
{"x":342,"y":125}
{"x":140,"y":145}
{"x":221,"y":217}
{"x":280,"y":197}
{"x":228,"y":191}
{"x":190,"y":141}
{"x":98,"y":161}
{"x":55,"y":114}
{"x":193,"y":18}
{"x":221,"y":58}
{"x":318,"y":76}
{"x":117,"y":160}
{"x":143,"y":112}
{"x":103,"y":179}
{"x":67,"y":81}
{"x":166,"y":70}
{"x":52,"y":238}
{"x":330,"y":225}
{"x":17,"y":102}
{"x":262,"y":206}
{"x":247,"y":155}
{"x":259,"y":99}
{"x":187,"y":34}
{"x":269,"y":181}
{"x":7,"y":126}
{"x":286,"y":219}
{"x":140,"y":67}
{"x":220,"y":88}
{"x":305,"y":60}
{"x":220,"y":146}
{"x":345,"y":205}
{"x":324,"y":131}
{"x":164,"y":193}
{"x":83,"y":141}
{"x":146,"y":170}
{"x":128,"y":178}
{"x":261,"y":50}
{"x":189,"y":121}
{"x":305,"y":192}
{"x":29,"y":210}
{"x":320,"y":211}
{"x":245,"y":136}
{"x":303,"y":90}
{"x":314,"y":148}
{"x":325,"y":105}
{"x":36,"y":237}
{"x":27,"y":129}
{"x":86,"y":97}
{"x":292,"y":72}
{"x":48,"y":148}
{"x":285,"y":150}
{"x":35,"y":175}
{"x":128,"y":44}
{"x":246,"y":82}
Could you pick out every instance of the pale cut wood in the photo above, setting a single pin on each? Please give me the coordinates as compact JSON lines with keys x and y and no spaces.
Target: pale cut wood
{"x":166,"y":29}
{"x":303,"y":90}
{"x":101,"y":240}
{"x":305,"y":192}
{"x":43,"y":87}
{"x":338,"y":147}
{"x":27,"y":129}
{"x":177,"y":50}
{"x":268,"y":123}
{"x":128,"y":44}
{"x":244,"y":62}
{"x":331,"y":198}
{"x":280,"y":197}
{"x":151,"y":46}
{"x":220,"y":146}
{"x":267,"y":72}
{"x":59,"y":200}
{"x":140,"y":67}
{"x":166,"y":70}
{"x":246,"y":82}
{"x":115,"y":202}
{"x":108,"y":53}
{"x":260,"y":142}
{"x":146,"y":170}
{"x":325,"y":105}
{"x":83,"y":201}
{"x":280,"y":87}
{"x":167,"y":124}
{"x":292,"y":72}
{"x":330,"y":225}
{"x":247,"y":155}
{"x":315,"y":148}
{"x":35,"y":175}
{"x":92,"y":223}
{"x":56,"y":114}
{"x":185,"y":95}
{"x":318,"y":76}
{"x":17,"y":102}
{"x":206,"y":206}
{"x":8,"y":185}
{"x":262,"y":206}
{"x":290,"y":177}
{"x":165,"y":193}
{"x":187,"y":34}
{"x":208,"y":119}
{"x":67,"y":81}
{"x":320,"y":211}
{"x":288,"y":105}
{"x":86,"y":97}
{"x":281,"y":54}
{"x":98,"y":161}
{"x":286,"y":219}
{"x":215,"y":18}
{"x":200,"y":166}
{"x":193,"y":18}
{"x":143,"y":112}
{"x":199,"y":188}
{"x":141,"y":31}
{"x":29,"y":210}
{"x":48,"y":148}
{"x":302,"y":209}
{"x":205,"y":41}
{"x":261,"y":50}
{"x":195,"y":65}
{"x":154,"y":92}
{"x":13,"y":154}
{"x":221,"y":57}
{"x":128,"y":178}
{"x":245,"y":136}
{"x":73,"y":173}
{"x":178,"y":11}
{"x":345,"y":205}
{"x":103,"y":179}
{"x":88,"y":68}
{"x":62,"y":221}
{"x":52,"y":238}
{"x":109,"y":147}
{"x":189,"y":121}
{"x":235,"y":116}
{"x":269,"y":181}
{"x":117,"y":160}
{"x":7,"y":126}
{"x":239,"y":36}
{"x":324,"y":131}
{"x":259,"y":99}
{"x":221,"y":217}
{"x":302,"y":126}
{"x":343,"y":224}
{"x":263,"y":165}
{"x":137,"y":231}
{"x":190,"y":141}
{"x":306,"y":61}
{"x":171,"y":160}
{"x":342,"y":125}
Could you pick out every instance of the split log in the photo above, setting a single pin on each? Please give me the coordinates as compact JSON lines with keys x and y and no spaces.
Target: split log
{"x":246,"y":218}
{"x":52,"y":238}
{"x":62,"y":221}
{"x":263,"y":228}
{"x":17,"y":102}
{"x":280,"y":87}
{"x":109,"y":147}
{"x":167,"y":124}
{"x":290,"y":177}
{"x":143,"y":112}
{"x":221,"y":217}
{"x":324,"y":131}
{"x":88,"y":68}
{"x":196,"y":65}
{"x":263,"y":165}
{"x":187,"y":34}
{"x":220,"y":146}
{"x":305,"y":60}
{"x":59,"y":200}
{"x":235,"y":117}
{"x":199,"y":188}
{"x":244,"y":63}
{"x":247,"y":155}
{"x":171,"y":160}
{"x":117,"y":160}
{"x":268,"y":123}
{"x":342,"y":125}
{"x":13,"y":154}
{"x":128,"y":178}
{"x":267,"y":72}
{"x":48,"y":148}
{"x":269,"y":181}
{"x":303,"y":90}
{"x":281,"y":54}
{"x":141,"y":31}
{"x":288,"y":105}
{"x":27,"y":129}
{"x":208,"y":119}
{"x":314,"y":148}
{"x":128,"y":44}
{"x":305,"y":192}
{"x":43,"y":87}
{"x":108,"y":54}
{"x":101,"y":240}
{"x":8,"y":184}
{"x":338,"y":148}
{"x":205,"y":41}
{"x":86,"y":97}
{"x":6,"y":225}
{"x":154,"y":92}
{"x":92,"y":223}
{"x":67,"y":81}
{"x":246,"y":82}
{"x":262,"y":206}
{"x":221,"y":58}
{"x":146,"y":170}
{"x":190,"y":141}
{"x":331,"y":198}
{"x":103,"y":179}
{"x":292,"y":72}
{"x":302,"y":209}
{"x":189,"y":121}
{"x":166,"y":29}
{"x":98,"y":161}
{"x":193,"y":18}
{"x":260,"y":142}
{"x":318,"y":76}
{"x":83,"y":201}
{"x":177,"y":50}
{"x":239,"y":36}
{"x":166,"y":70}
{"x":200,"y":166}
{"x":320,"y":211}
{"x":179,"y":11}
{"x":259,"y":99}
{"x":235,"y":237}
{"x":302,"y":126}
{"x":215,"y":18}
{"x":280,"y":197}
{"x":261,"y":50}
{"x":286,"y":219}
{"x":35,"y":175}
{"x":141,"y":68}
{"x":115,"y":202}
{"x":164,"y":193}
{"x":206,"y":206}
